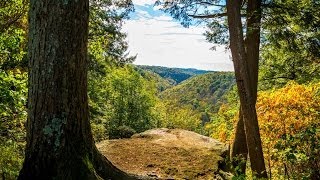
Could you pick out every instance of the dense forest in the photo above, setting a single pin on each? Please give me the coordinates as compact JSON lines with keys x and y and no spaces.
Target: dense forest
{"x":175,"y":75}
{"x":63,"y":87}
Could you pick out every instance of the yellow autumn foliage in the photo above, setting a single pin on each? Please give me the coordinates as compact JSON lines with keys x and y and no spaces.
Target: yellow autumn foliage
{"x":288,"y":110}
{"x":285,"y":115}
{"x":223,"y":123}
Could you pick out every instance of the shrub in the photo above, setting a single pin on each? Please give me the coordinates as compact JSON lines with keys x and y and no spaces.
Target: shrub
{"x":11,"y":158}
{"x":121,"y":132}
{"x":289,"y":125}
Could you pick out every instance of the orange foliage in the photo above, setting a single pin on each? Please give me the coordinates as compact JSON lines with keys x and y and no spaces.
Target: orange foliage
{"x":286,"y":111}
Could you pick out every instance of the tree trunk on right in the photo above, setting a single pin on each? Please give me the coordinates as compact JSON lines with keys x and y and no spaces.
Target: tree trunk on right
{"x":252,"y":42}
{"x":239,"y":153}
{"x":245,"y":87}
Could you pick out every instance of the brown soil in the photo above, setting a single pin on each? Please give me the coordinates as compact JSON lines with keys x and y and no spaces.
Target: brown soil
{"x":166,"y":154}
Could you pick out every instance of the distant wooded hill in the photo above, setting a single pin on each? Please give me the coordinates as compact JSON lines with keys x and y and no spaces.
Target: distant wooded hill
{"x":208,"y":88}
{"x":198,"y":88}
{"x":201,"y":93}
{"x":173,"y":75}
{"x":189,"y":93}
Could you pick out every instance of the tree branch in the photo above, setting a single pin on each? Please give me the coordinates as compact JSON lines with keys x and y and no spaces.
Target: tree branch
{"x":16,"y":17}
{"x":208,"y":16}
{"x":211,"y":4}
{"x":10,"y":22}
{"x":279,"y":77}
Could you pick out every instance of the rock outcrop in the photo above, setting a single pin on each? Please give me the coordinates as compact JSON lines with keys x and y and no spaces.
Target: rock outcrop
{"x":168,"y":154}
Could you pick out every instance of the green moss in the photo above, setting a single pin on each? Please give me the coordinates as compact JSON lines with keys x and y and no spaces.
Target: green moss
{"x":88,"y":163}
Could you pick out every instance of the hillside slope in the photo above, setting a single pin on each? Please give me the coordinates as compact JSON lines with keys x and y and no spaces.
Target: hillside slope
{"x":193,"y":102}
{"x":160,"y":82}
{"x":175,"y":75}
{"x":202,"y":92}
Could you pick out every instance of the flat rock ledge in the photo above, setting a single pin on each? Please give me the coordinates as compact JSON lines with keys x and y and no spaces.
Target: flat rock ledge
{"x":168,"y":154}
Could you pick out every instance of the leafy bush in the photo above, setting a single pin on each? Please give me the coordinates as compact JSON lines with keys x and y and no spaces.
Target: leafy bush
{"x":13,"y":92}
{"x":121,"y":98}
{"x":171,"y":116}
{"x":224,"y":121}
{"x":99,"y":131}
{"x":289,"y":124}
{"x":132,"y":100}
{"x":11,"y":158}
{"x":300,"y":153}
{"x":121,"y":132}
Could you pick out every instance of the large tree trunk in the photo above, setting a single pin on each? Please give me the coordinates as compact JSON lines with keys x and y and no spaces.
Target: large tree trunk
{"x":252,"y":42}
{"x":59,"y":140}
{"x":247,"y":97}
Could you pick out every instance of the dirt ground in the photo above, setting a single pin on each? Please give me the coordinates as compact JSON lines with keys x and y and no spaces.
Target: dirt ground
{"x":166,"y":154}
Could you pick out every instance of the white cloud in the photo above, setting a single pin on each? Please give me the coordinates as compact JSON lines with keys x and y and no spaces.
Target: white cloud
{"x":162,"y":41}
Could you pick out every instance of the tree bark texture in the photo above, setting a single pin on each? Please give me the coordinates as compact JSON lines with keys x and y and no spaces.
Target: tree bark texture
{"x":59,"y":140}
{"x":245,"y":88}
{"x":252,"y":43}
{"x":239,"y":153}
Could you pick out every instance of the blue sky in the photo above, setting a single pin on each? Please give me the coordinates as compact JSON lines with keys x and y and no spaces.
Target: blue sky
{"x":157,"y":39}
